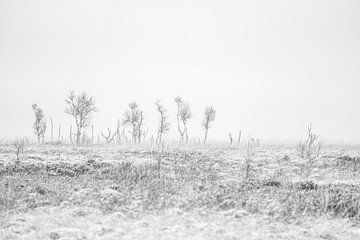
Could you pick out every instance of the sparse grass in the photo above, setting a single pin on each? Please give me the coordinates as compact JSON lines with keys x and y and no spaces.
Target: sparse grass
{"x":134,"y":183}
{"x":348,"y":161}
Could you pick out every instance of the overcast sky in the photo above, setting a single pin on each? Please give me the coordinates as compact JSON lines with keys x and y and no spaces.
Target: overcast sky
{"x":268,"y":67}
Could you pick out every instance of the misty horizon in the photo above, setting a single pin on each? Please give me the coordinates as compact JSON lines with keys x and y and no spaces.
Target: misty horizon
{"x":268,"y":68}
{"x":181,"y":119}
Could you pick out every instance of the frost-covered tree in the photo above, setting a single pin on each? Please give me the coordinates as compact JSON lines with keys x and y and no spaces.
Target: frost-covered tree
{"x":209,"y":117}
{"x":81,"y":107}
{"x":134,"y":117}
{"x":183,"y":115}
{"x":164,"y":124}
{"x":39,"y":123}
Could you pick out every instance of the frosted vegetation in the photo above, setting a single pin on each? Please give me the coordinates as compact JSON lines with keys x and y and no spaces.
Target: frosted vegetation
{"x":127,"y":187}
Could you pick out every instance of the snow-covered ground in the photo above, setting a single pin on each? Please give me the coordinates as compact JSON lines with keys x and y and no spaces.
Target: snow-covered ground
{"x":112,"y":192}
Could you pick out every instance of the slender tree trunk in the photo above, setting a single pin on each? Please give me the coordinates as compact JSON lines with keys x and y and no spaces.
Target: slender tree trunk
{"x":70,"y":134}
{"x":206,"y":133}
{"x":239,"y":138}
{"x":52,"y":130}
{"x":179,"y":127}
{"x":178,"y":123}
{"x":186,"y":134}
{"x":78,"y":135}
{"x":92,"y":133}
{"x":59,"y":135}
{"x":134,"y":134}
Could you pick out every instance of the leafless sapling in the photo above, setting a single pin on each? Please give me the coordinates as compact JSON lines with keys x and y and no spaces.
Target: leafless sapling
{"x":140,"y":131}
{"x":109,"y":137}
{"x":239,"y":138}
{"x":40,"y":123}
{"x":19,"y":146}
{"x":179,"y":102}
{"x":81,"y":107}
{"x":209,"y":117}
{"x":183,"y":115}
{"x":308,"y":149}
{"x":71,"y":135}
{"x":164,"y":124}
{"x":59,"y":133}
{"x":117,"y":132}
{"x":134,"y":117}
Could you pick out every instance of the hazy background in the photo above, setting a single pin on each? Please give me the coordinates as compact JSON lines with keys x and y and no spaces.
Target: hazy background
{"x":268,"y":67}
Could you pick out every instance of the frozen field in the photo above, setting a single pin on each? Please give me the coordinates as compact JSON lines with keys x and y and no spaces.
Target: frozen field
{"x":112,"y":192}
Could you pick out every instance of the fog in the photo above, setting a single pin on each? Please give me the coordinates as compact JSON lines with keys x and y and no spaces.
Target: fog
{"x":268,"y":67}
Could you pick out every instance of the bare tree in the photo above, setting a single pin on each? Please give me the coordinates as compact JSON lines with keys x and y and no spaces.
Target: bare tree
{"x":209,"y":116}
{"x":140,"y":131}
{"x":19,"y":146}
{"x":308,"y":149}
{"x":40,"y":123}
{"x":117,"y":132}
{"x":81,"y":107}
{"x":135,"y":118}
{"x":109,"y":137}
{"x":164,"y":124}
{"x":179,"y":102}
{"x":183,"y":115}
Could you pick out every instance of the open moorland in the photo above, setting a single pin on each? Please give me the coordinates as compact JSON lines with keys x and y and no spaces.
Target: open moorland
{"x":133,"y":192}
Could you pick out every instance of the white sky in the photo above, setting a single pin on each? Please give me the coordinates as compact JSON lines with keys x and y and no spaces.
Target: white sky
{"x":268,"y":67}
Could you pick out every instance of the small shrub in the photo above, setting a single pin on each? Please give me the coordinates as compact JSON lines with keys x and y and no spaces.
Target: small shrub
{"x":19,"y":146}
{"x":272,"y":183}
{"x":286,"y":158}
{"x":308,"y":185}
{"x":308,"y":149}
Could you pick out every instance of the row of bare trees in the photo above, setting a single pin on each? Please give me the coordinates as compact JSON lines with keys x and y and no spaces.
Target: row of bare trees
{"x":81,"y":107}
